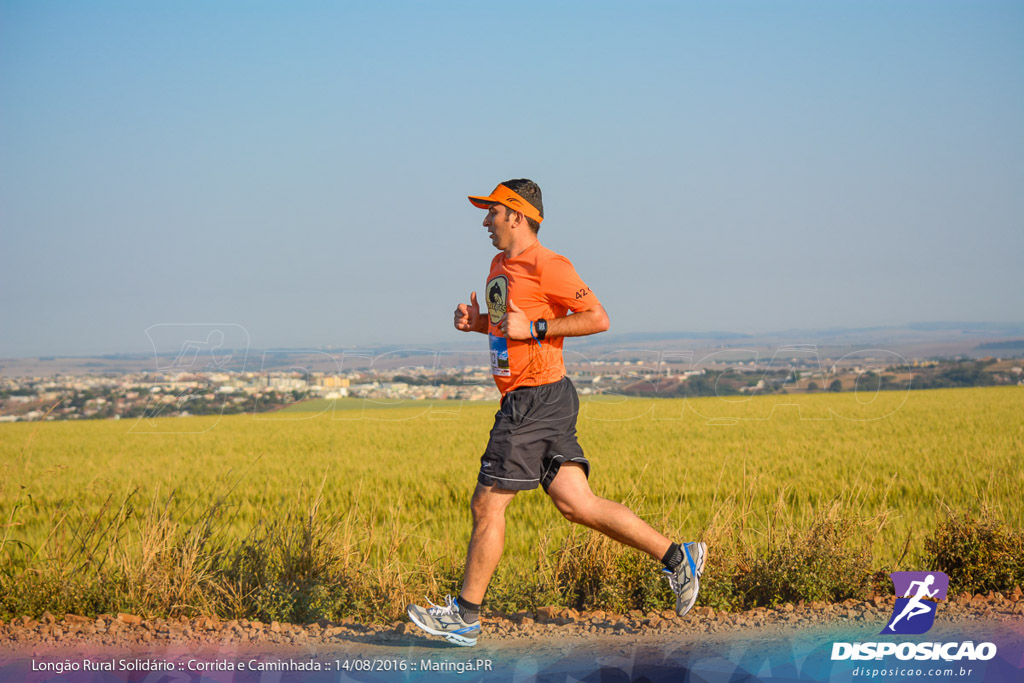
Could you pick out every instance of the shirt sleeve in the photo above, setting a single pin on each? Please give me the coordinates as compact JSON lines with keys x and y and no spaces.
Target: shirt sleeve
{"x":562,"y":286}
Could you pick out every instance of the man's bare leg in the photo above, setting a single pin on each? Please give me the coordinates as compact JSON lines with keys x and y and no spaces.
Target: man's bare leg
{"x":487,"y":541}
{"x":571,"y":494}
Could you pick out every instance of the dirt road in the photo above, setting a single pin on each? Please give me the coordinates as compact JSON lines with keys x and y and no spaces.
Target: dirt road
{"x":793,"y":641}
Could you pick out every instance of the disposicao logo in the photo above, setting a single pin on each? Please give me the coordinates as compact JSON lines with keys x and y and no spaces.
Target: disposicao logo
{"x":914,"y":613}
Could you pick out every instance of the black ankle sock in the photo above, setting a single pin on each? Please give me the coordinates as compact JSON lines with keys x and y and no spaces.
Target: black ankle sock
{"x":673,"y":556}
{"x":469,"y":611}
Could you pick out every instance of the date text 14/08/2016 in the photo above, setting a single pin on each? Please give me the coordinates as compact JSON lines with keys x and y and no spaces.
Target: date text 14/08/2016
{"x":468,"y":666}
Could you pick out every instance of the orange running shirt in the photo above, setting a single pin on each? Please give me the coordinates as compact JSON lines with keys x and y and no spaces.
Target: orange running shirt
{"x":542,"y":284}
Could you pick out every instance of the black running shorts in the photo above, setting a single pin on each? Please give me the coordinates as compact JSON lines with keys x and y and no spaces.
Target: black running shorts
{"x":534,"y":432}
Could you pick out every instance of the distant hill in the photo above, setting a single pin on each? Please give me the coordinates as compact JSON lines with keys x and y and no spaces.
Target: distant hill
{"x":1008,"y":345}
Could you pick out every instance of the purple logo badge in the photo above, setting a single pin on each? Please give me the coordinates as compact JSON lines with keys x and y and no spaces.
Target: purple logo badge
{"x":914,"y":612}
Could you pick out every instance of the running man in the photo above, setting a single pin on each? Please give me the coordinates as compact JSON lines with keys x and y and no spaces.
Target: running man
{"x":534,"y":300}
{"x":915,"y":606}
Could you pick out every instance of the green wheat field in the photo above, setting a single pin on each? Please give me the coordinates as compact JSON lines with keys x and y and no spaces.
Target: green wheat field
{"x":381,"y":490}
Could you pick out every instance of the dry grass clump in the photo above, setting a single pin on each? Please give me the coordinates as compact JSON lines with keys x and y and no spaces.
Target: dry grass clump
{"x":979,"y":552}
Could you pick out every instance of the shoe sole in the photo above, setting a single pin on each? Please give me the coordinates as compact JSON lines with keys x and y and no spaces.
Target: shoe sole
{"x":454,"y":638}
{"x":698,"y":563}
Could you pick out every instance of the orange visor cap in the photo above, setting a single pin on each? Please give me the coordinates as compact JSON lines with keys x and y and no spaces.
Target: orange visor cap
{"x":506,"y":197}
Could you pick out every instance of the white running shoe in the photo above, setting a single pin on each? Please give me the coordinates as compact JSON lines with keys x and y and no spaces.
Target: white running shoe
{"x":445,"y":620}
{"x":685,"y":580}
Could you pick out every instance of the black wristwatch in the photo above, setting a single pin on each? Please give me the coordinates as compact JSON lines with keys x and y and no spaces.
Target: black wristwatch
{"x":541,"y":326}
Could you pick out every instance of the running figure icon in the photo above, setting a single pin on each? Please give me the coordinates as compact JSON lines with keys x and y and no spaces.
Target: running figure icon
{"x":915,"y":606}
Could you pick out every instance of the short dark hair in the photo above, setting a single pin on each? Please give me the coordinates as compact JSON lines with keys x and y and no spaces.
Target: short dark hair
{"x":530,"y":191}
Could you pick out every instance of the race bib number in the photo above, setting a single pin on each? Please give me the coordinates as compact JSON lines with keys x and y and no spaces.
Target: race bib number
{"x":499,"y":356}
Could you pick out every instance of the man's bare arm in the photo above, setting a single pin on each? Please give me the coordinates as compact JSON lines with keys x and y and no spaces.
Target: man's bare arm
{"x":517,"y":326}
{"x":580,"y":324}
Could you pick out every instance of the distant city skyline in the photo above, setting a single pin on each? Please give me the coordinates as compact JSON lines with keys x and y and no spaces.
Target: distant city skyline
{"x":957,"y":336}
{"x":301,"y":170}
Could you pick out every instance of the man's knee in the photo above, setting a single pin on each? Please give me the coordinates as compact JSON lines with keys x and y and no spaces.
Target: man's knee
{"x":571,"y":494}
{"x":576,"y":510}
{"x":479,"y":507}
{"x":489,"y":503}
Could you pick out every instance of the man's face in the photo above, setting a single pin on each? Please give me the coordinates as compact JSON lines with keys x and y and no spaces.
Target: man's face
{"x":498,"y":222}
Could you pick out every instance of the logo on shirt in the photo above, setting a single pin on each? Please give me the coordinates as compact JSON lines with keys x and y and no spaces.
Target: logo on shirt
{"x":497,"y":295}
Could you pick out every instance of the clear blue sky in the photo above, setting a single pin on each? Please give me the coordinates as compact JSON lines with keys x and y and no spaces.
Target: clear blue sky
{"x":300,"y":169}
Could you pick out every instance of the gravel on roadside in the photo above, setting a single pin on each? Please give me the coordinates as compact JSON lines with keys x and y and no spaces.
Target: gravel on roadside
{"x":128,"y":630}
